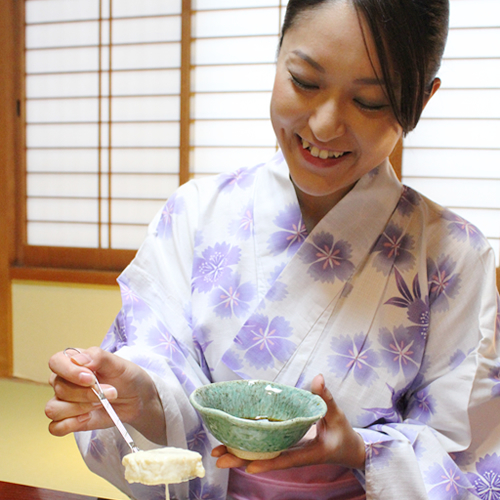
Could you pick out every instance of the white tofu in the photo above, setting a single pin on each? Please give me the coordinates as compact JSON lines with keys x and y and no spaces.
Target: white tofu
{"x":162,"y":466}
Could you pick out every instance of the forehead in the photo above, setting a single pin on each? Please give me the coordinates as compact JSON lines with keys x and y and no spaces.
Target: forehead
{"x":333,"y":30}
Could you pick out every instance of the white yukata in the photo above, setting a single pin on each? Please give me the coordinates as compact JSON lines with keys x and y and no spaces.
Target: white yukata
{"x":391,"y":297}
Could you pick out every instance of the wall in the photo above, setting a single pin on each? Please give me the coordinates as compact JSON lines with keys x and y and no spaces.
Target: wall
{"x":48,"y":317}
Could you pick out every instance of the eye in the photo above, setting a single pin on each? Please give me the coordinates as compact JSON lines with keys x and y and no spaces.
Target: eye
{"x":302,"y":85}
{"x":370,"y":106}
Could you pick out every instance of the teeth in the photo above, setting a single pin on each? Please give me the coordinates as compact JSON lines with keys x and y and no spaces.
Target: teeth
{"x":321,"y":153}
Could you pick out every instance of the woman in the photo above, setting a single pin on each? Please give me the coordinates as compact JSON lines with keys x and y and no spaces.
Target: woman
{"x":318,"y":261}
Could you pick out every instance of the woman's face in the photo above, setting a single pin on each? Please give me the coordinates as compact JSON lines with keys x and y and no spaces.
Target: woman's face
{"x":330,"y":114}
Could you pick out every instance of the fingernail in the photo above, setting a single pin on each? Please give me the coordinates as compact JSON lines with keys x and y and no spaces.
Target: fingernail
{"x":81,"y":359}
{"x":110,"y":393}
{"x":86,"y":378}
{"x":84,"y":417}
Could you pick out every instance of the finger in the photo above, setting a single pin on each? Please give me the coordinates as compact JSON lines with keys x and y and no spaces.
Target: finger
{"x":62,"y":366}
{"x":229,"y":461}
{"x":218,"y":451}
{"x":333,"y":413}
{"x":307,"y":454}
{"x":97,"y":419}
{"x":59,"y":410}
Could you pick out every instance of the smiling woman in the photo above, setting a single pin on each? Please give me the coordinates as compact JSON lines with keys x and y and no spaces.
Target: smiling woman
{"x":316,"y":269}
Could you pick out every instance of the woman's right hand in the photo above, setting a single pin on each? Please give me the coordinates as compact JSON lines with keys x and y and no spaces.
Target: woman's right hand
{"x":128,"y":387}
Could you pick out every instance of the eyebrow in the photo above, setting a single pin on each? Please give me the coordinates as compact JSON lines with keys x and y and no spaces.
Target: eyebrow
{"x":318,"y":67}
{"x":309,"y":60}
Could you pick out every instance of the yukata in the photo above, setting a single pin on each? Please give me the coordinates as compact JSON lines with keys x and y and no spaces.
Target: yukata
{"x":391,"y":297}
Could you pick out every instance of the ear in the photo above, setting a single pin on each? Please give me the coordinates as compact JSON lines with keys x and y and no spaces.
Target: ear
{"x":435,"y":86}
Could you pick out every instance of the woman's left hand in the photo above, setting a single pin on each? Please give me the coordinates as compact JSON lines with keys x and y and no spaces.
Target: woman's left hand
{"x":336,"y":442}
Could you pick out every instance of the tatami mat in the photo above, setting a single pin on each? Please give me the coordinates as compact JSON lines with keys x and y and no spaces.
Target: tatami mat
{"x":30,"y":455}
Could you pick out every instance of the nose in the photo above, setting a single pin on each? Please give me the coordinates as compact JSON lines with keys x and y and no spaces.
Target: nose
{"x":327,"y":121}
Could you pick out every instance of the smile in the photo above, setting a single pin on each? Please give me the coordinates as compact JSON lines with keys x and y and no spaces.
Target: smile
{"x":321,"y":153}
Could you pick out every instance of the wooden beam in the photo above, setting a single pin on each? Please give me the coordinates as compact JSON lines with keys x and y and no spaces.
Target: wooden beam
{"x":10,"y":102}
{"x":185,"y":111}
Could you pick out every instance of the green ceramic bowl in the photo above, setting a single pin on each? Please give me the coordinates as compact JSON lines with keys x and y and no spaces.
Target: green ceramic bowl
{"x":256,"y":419}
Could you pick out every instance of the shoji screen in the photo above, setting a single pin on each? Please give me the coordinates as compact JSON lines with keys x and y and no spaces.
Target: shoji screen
{"x":102,"y":112}
{"x":453,"y":156}
{"x":103,"y":108}
{"x":233,"y":54}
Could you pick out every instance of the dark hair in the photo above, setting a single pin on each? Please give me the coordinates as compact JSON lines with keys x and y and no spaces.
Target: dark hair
{"x":409,"y":36}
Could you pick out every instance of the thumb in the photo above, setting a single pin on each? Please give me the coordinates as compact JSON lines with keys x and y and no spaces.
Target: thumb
{"x":318,"y":387}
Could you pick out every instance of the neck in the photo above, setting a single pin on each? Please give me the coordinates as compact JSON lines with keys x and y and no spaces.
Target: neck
{"x":314,"y":208}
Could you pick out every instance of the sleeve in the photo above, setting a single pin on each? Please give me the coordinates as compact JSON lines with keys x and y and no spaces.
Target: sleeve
{"x":446,"y":445}
{"x":154,"y":329}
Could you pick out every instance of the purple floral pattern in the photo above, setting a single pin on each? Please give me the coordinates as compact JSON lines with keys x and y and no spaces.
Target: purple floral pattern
{"x":494,"y":376}
{"x":422,"y":406}
{"x":265,"y":341}
{"x":418,"y":308}
{"x":328,"y":259}
{"x":174,"y":206}
{"x":232,"y":297}
{"x":447,"y":481}
{"x":443,"y":283}
{"x":394,"y":248}
{"x":355,"y":356}
{"x":408,"y":201}
{"x":401,"y":350}
{"x":242,"y":227}
{"x":214,"y":266}
{"x":292,"y":231}
{"x":205,"y":491}
{"x":462,"y":230}
{"x":486,"y":479}
{"x":197,"y":440}
{"x":162,"y":342}
{"x":242,"y":177}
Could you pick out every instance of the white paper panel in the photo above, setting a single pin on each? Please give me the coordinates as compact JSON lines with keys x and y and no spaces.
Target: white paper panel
{"x":62,"y":35}
{"x":154,"y":29}
{"x":261,"y":49}
{"x":71,"y":85}
{"x":145,"y":108}
{"x":153,"y":187}
{"x":455,"y":134}
{"x":147,"y":56}
{"x":236,"y":4}
{"x":62,"y":110}
{"x":473,"y":43}
{"x":67,"y":185}
{"x":484,"y":103}
{"x":65,"y":136}
{"x":127,"y":237}
{"x":216,"y":160}
{"x":132,"y":8}
{"x":164,"y":161}
{"x":159,"y":82}
{"x":233,"y":78}
{"x":41,"y":11}
{"x":233,"y":133}
{"x":145,"y":134}
{"x":231,"y":105}
{"x":474,"y":13}
{"x":238,"y":22}
{"x":62,"y":234}
{"x":469,"y":73}
{"x":135,"y":211}
{"x":60,"y":160}
{"x":461,"y":163}
{"x":62,"y":60}
{"x":68,"y":210}
{"x":464,"y":193}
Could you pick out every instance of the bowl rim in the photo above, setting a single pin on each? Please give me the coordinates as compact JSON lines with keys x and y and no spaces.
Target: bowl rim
{"x":264,"y":422}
